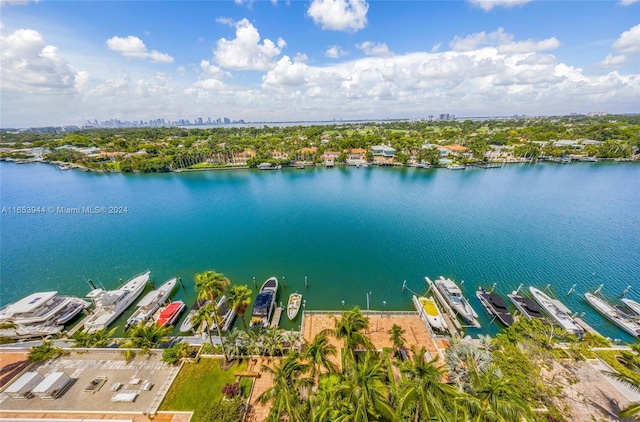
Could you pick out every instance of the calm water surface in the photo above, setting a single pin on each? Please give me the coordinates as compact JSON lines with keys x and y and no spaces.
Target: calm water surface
{"x":349,"y":231}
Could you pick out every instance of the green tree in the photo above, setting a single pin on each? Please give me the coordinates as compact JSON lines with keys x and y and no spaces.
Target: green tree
{"x":44,"y":352}
{"x":285,"y":392}
{"x":396,"y":335}
{"x":349,"y":328}
{"x":211,"y":285}
{"x":318,"y":354}
{"x":240,"y":299}
{"x":97,"y":339}
{"x":424,"y":388}
{"x":147,"y":336}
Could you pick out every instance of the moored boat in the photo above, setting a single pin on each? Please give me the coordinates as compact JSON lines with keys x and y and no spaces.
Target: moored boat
{"x":527,"y":306}
{"x":632,"y":305}
{"x":456,"y":167}
{"x":264,"y":303}
{"x":293,"y":305}
{"x":226,"y":313}
{"x":188,"y":323}
{"x":429,"y":312}
{"x":557,"y":311}
{"x":613,"y":314}
{"x":169,"y":314}
{"x":44,"y":308}
{"x":110,"y":304}
{"x":495,"y":305}
{"x":150,"y":303}
{"x":454,"y":297}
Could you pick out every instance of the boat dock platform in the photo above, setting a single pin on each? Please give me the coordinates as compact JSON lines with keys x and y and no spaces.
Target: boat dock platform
{"x":448,"y":315}
{"x":586,"y":326}
{"x":277,"y":314}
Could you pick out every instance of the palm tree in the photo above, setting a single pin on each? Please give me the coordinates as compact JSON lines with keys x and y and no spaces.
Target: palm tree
{"x":463,"y":358}
{"x":425,"y":387}
{"x":396,"y":334}
{"x":633,"y":409}
{"x":8,"y":324}
{"x":272,"y":341}
{"x":211,"y":285}
{"x":348,"y":328}
{"x":233,"y":343}
{"x":240,"y":297}
{"x":97,"y":339}
{"x":365,"y":389}
{"x":204,"y":317}
{"x":494,"y":398}
{"x":147,"y":336}
{"x":318,"y":353}
{"x":285,"y":392}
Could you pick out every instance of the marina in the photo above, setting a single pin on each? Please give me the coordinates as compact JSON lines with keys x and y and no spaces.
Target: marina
{"x":399,"y":243}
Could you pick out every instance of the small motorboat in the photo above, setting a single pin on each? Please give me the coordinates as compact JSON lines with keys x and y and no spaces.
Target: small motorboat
{"x":429,"y":312}
{"x":169,"y":314}
{"x":187,"y":324}
{"x":293,"y":306}
{"x":495,"y":305}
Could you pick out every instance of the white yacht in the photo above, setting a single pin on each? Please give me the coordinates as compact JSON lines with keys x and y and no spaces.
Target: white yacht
{"x":459,"y":303}
{"x":557,"y":311}
{"x":110,"y":304}
{"x":613,"y":314}
{"x":150,"y":303}
{"x":632,"y":305}
{"x":44,"y":308}
{"x":264,"y":303}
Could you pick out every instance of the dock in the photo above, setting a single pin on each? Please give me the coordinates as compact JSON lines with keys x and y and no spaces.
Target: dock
{"x":586,"y":326}
{"x":277,"y":314}
{"x":449,"y":315}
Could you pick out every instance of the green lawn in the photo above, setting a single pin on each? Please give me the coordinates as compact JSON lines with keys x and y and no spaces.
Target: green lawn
{"x":199,"y":385}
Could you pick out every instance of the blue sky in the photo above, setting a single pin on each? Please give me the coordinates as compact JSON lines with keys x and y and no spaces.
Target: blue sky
{"x":65,"y":62}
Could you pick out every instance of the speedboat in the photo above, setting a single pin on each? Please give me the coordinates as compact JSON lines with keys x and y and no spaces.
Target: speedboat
{"x":495,"y":305}
{"x":453,"y":295}
{"x":613,"y":314}
{"x":110,"y":304}
{"x":169,"y":314}
{"x":264,"y":303}
{"x":187,"y":324}
{"x":632,"y":305}
{"x":226,"y":313}
{"x":293,"y":306}
{"x":429,"y":312}
{"x":150,"y":303}
{"x":456,"y":167}
{"x":44,"y":308}
{"x":527,"y":306}
{"x":557,"y":311}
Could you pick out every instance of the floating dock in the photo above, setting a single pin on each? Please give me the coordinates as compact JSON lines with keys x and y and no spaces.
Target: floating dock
{"x":277,"y":314}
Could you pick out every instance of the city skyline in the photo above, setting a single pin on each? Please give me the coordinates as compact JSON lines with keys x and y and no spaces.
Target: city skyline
{"x":66,"y":63}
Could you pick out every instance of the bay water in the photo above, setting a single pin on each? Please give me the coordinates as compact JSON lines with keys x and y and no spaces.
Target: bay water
{"x":354,"y":233}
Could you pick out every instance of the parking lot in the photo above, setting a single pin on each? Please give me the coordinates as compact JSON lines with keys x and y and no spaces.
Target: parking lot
{"x":146,"y":377}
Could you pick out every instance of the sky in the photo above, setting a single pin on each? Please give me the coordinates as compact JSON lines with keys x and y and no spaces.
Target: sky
{"x":66,"y":62}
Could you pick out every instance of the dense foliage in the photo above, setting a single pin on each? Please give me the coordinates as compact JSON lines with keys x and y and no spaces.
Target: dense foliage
{"x":163,"y":149}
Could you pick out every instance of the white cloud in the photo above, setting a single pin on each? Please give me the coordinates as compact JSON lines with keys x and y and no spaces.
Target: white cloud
{"x":339,"y":15}
{"x":287,"y":72}
{"x":436,"y":48}
{"x":613,"y":61}
{"x":490,"y":4}
{"x":226,"y":21}
{"x":629,"y":41}
{"x":31,"y":66}
{"x":212,"y":70}
{"x":502,"y":41}
{"x":133,"y":47}
{"x":4,"y":3}
{"x":371,"y":48}
{"x":335,"y":51}
{"x":628,"y":2}
{"x":181,"y":70}
{"x":245,"y":52}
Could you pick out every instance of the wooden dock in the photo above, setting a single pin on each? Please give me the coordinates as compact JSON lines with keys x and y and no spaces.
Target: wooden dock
{"x":277,"y":314}
{"x":586,"y":326}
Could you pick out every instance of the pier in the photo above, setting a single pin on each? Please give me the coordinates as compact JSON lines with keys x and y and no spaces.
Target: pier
{"x":277,"y":314}
{"x":449,"y":315}
{"x":586,"y":326}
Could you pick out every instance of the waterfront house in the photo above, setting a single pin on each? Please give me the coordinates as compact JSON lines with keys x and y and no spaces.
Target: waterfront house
{"x":241,"y":158}
{"x":356,"y":156}
{"x":307,"y":154}
{"x":383,"y":154}
{"x":279,"y":155}
{"x":330,"y":157}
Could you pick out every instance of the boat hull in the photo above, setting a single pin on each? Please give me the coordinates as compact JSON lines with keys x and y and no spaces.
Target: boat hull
{"x":264,"y":304}
{"x":495,"y":306}
{"x":632,"y":305}
{"x":293,"y":305}
{"x":613,"y":315}
{"x":169,"y":314}
{"x":554,"y":309}
{"x":429,"y":312}
{"x":453,"y":295}
{"x":151,"y":302}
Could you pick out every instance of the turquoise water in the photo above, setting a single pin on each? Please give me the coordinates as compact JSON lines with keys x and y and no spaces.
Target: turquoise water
{"x":349,"y":231}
